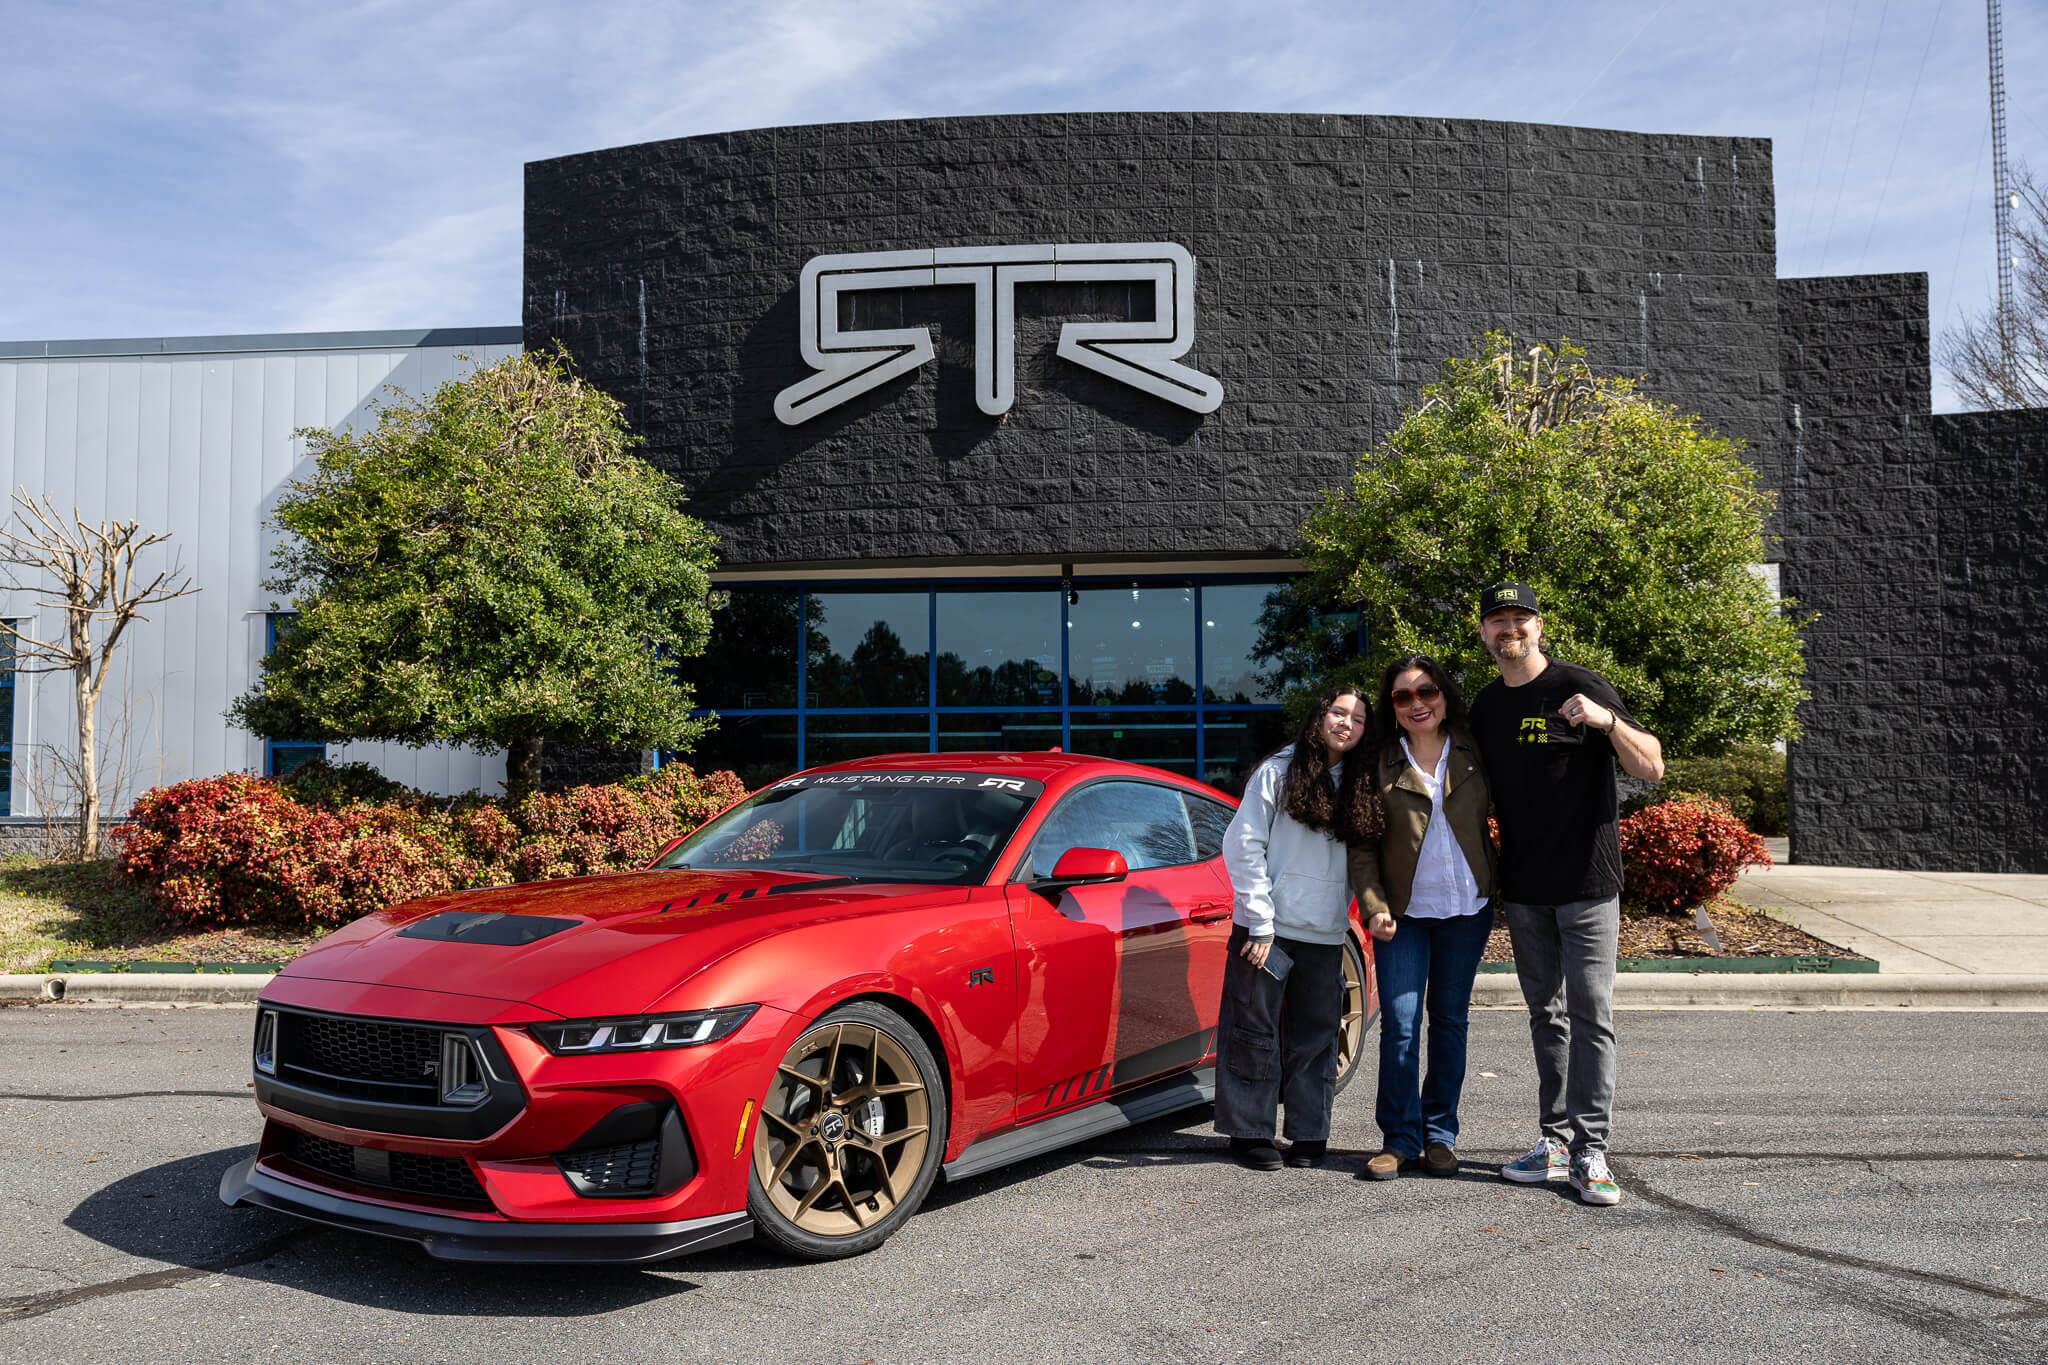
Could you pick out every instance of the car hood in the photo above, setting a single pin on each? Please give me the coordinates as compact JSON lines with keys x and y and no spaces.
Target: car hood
{"x":589,"y":946}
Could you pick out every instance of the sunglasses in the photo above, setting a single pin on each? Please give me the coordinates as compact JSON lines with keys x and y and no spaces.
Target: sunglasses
{"x":1428,"y":692}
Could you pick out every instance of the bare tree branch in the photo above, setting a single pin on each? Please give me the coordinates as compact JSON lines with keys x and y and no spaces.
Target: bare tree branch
{"x":95,"y":566}
{"x":2003,"y":363}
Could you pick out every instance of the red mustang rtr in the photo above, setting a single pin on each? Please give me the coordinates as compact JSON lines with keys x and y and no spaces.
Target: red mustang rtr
{"x":789,"y":1023}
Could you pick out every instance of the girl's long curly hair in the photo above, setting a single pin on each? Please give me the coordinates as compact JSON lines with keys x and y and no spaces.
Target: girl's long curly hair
{"x":1348,"y":811}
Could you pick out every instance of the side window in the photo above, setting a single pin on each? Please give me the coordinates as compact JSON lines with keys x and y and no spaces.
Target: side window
{"x":1147,"y":824}
{"x":1210,"y":820}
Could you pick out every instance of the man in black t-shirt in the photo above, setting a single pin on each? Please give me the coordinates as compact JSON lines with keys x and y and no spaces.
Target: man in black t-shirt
{"x":1550,"y":734}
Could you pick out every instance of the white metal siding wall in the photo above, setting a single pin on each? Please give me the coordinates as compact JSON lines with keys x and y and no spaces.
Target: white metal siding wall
{"x":198,"y":445}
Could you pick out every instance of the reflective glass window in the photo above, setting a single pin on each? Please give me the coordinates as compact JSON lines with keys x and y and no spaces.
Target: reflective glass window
{"x":1235,"y":742}
{"x":999,"y":730}
{"x":999,"y":647}
{"x":1147,"y":824}
{"x":1235,"y":617}
{"x":759,"y":749}
{"x":867,"y":648}
{"x":1132,"y":645}
{"x":750,"y":661}
{"x":832,"y":738}
{"x":1163,"y":739}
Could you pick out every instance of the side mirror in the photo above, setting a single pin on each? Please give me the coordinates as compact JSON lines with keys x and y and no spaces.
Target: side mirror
{"x":1083,"y":867}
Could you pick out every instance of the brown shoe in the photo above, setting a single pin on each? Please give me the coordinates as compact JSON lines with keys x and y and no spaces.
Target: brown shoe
{"x":1437,"y":1159}
{"x":1383,"y":1166}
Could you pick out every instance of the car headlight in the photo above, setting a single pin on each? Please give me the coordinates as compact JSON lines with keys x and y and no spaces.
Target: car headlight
{"x":575,"y":1037}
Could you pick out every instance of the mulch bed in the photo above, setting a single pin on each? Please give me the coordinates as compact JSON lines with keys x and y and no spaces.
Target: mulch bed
{"x":1743,"y":932}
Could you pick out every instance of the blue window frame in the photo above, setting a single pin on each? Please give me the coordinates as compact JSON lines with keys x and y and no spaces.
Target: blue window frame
{"x":1158,"y":670}
{"x":281,"y":756}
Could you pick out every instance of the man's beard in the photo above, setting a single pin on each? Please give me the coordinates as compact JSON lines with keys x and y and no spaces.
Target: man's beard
{"x":1517,"y":648}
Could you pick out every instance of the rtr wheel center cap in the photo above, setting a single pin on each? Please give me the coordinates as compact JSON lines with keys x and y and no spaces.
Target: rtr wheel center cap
{"x":834,"y":1126}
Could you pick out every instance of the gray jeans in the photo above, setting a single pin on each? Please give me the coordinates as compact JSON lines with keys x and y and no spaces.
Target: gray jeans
{"x":1564,"y":955}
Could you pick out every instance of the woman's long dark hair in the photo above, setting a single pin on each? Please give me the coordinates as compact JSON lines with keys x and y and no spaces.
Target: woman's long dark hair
{"x":1350,"y":812}
{"x":1386,"y":729}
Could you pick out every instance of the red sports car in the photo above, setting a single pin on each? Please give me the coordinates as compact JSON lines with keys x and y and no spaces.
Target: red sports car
{"x":789,"y":1023}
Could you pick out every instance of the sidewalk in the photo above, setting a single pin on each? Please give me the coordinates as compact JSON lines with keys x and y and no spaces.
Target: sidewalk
{"x":1942,"y":940}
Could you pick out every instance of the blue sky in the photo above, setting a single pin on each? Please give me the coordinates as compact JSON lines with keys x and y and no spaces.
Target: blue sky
{"x":254,"y":167}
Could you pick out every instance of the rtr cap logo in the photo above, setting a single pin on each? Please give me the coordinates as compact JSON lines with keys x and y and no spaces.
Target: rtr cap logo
{"x":1501,"y":596}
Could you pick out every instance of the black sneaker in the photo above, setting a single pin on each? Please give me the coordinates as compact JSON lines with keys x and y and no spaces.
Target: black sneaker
{"x":1258,"y":1153}
{"x":1305,"y":1152}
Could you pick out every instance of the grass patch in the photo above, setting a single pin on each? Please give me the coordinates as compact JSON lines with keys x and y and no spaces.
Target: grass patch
{"x":52,"y":910}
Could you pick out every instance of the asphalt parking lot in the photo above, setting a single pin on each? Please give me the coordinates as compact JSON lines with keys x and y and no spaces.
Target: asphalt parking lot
{"x":1832,"y":1187}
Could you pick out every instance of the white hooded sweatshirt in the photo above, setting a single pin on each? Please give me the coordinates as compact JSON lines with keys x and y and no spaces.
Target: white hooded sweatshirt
{"x":1288,"y":879}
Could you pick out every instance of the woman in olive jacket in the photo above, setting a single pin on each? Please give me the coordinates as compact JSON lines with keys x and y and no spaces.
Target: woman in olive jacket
{"x":1425,"y":891}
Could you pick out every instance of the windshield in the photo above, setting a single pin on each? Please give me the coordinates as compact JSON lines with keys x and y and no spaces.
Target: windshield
{"x":943,"y":828}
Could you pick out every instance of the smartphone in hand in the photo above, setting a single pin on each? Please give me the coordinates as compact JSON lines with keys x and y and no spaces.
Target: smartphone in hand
{"x":1277,"y":963}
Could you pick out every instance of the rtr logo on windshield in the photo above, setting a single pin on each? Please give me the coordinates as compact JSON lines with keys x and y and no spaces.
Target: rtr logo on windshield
{"x":1008,"y":784}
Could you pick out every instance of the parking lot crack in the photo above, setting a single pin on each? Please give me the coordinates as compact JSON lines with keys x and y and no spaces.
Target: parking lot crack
{"x":126,"y":1095}
{"x":35,"y":1305}
{"x":1642,"y":1189}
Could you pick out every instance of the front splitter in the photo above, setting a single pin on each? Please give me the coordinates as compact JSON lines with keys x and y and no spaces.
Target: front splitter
{"x":466,"y":1239}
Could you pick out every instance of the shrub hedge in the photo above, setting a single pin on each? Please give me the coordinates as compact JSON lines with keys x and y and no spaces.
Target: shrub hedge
{"x":1682,"y":853}
{"x":1749,"y":779}
{"x":335,"y":841}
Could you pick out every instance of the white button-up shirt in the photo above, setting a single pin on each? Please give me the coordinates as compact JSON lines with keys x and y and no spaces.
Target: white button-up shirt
{"x":1444,"y":884}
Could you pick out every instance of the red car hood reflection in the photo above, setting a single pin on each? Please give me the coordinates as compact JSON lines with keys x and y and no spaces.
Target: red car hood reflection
{"x":635,"y":936}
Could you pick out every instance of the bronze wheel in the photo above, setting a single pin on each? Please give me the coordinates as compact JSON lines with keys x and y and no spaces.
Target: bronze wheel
{"x":1351,"y":1032}
{"x":849,"y":1136}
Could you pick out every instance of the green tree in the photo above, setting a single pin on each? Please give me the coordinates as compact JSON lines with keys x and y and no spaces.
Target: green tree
{"x":1638,"y":529}
{"x":489,"y":566}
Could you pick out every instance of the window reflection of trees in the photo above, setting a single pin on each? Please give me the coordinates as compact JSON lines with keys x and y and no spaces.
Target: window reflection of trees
{"x":1148,"y":825}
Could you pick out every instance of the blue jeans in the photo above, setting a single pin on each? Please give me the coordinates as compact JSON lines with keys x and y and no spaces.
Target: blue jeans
{"x":1428,"y":962}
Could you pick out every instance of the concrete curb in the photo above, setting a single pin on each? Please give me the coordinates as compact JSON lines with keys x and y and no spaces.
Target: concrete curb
{"x":1632,"y":991}
{"x":1799,"y":990}
{"x":148,"y":988}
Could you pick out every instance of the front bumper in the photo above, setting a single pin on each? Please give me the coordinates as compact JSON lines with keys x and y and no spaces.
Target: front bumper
{"x":490,"y":1240}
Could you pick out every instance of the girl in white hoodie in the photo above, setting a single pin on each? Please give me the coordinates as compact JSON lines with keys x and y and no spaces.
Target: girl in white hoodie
{"x":1285,"y":852}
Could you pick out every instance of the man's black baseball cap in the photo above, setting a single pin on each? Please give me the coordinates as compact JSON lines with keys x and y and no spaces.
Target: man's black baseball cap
{"x":1502,"y":595}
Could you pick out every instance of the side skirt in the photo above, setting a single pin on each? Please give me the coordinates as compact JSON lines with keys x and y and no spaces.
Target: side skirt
{"x":1063,"y":1130}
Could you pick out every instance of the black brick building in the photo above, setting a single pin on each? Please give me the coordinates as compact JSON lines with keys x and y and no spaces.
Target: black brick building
{"x":910,"y":570}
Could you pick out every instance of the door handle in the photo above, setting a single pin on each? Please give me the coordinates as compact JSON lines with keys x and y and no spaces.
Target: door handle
{"x":1208,"y":912}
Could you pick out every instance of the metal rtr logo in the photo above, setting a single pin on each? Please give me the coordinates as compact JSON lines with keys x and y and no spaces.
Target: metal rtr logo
{"x":1144,"y":355}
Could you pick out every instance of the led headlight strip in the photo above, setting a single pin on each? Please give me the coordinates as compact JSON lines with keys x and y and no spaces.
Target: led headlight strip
{"x":577,"y":1037}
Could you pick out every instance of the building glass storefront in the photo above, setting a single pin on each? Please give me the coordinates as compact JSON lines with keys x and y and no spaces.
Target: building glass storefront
{"x":1175,"y":672}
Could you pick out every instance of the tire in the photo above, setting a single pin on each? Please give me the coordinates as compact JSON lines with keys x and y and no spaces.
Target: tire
{"x":863,"y":1073}
{"x":1351,"y":1032}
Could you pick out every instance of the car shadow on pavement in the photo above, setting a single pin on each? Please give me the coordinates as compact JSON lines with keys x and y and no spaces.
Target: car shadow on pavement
{"x":171,"y":1214}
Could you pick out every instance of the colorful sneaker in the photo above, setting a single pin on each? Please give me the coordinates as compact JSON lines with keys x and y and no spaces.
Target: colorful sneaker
{"x":1547,"y":1160}
{"x":1591,"y":1178}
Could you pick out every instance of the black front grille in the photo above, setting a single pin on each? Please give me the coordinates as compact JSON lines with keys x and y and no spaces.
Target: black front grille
{"x":363,"y":1048}
{"x":387,"y":1075}
{"x":443,"y":1177}
{"x":626,"y":1169}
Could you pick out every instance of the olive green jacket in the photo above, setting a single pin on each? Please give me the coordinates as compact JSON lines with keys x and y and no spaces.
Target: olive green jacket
{"x":1383,"y":875}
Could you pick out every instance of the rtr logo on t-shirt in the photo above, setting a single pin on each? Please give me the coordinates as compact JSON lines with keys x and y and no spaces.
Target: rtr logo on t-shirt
{"x":1535,"y":730}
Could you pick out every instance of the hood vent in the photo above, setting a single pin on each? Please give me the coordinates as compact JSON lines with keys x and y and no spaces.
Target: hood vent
{"x":503,"y":931}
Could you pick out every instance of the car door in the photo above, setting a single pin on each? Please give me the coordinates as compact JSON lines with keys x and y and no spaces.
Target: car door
{"x":1113,"y":989}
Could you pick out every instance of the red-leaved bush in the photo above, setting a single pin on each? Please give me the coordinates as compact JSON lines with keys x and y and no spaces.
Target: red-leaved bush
{"x":1682,"y":853}
{"x":240,"y":849}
